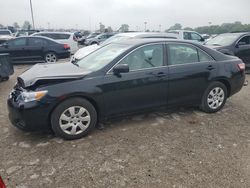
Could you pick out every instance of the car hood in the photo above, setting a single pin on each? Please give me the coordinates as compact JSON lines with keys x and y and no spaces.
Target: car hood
{"x":85,"y":51}
{"x":214,"y":47}
{"x":51,"y":71}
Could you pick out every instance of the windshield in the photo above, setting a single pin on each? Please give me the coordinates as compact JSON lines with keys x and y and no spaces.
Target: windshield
{"x":102,"y":57}
{"x":222,"y":40}
{"x":4,"y":33}
{"x":114,"y":39}
{"x":92,"y":35}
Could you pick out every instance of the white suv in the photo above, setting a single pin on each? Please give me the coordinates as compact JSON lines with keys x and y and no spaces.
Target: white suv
{"x":62,"y":37}
{"x":187,"y":35}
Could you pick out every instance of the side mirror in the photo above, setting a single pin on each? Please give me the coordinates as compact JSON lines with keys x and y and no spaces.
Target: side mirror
{"x":202,"y":40}
{"x":120,"y":68}
{"x":237,"y":46}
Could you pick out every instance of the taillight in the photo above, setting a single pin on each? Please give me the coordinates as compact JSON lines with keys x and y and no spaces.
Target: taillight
{"x":241,"y":66}
{"x":66,"y":46}
{"x":2,"y":185}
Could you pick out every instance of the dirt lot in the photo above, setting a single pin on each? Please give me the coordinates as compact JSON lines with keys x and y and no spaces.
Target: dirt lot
{"x":171,"y":148}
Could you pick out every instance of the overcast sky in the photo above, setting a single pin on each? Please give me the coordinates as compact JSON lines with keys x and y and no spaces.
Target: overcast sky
{"x":86,"y":14}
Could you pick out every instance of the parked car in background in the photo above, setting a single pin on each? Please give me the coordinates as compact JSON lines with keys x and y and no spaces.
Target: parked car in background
{"x":35,"y":49}
{"x":90,"y":36}
{"x":62,"y":37}
{"x":205,"y":36}
{"x":82,"y":52}
{"x":5,"y":35}
{"x":188,"y":35}
{"x":122,"y":77}
{"x":23,"y":33}
{"x":237,"y":44}
{"x":98,"y":39}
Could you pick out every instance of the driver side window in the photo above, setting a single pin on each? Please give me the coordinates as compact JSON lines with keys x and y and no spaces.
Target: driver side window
{"x":145,"y":57}
{"x":195,"y":36}
{"x":244,"y":41}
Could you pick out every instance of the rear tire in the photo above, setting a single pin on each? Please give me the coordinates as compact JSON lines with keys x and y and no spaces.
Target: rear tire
{"x":50,"y":57}
{"x":73,"y":118}
{"x":214,"y":98}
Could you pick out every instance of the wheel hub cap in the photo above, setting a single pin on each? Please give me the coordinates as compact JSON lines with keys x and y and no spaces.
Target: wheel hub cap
{"x":74,"y":120}
{"x":215,"y":98}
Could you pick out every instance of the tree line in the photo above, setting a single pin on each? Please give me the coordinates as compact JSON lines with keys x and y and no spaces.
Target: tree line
{"x":210,"y":29}
{"x":215,"y":29}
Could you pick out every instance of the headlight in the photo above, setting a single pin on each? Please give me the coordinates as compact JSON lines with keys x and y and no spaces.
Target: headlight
{"x":33,"y":96}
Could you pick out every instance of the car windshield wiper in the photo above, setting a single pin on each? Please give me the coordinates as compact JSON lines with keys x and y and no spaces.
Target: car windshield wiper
{"x":75,"y":63}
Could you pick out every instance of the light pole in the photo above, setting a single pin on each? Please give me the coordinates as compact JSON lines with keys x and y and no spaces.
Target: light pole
{"x":160,"y":27}
{"x":145,"y":26}
{"x":33,"y":23}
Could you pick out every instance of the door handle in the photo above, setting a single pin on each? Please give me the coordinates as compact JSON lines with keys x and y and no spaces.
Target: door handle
{"x":160,"y":74}
{"x":210,"y":67}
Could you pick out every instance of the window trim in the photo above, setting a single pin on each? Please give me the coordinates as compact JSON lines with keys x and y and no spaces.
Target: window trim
{"x":188,"y":44}
{"x":165,"y":64}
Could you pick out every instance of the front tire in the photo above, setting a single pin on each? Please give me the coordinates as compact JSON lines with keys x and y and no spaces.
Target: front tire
{"x":214,"y":97}
{"x":73,"y":118}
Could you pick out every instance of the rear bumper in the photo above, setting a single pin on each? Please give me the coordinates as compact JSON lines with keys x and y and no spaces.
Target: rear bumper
{"x":237,"y":82}
{"x":64,"y":55}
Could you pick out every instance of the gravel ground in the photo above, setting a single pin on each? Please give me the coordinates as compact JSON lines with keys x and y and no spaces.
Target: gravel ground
{"x":168,"y":148}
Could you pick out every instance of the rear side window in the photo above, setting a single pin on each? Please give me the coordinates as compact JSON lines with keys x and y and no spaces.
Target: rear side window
{"x":37,"y":42}
{"x":187,"y":36}
{"x":203,"y":57}
{"x":183,"y":54}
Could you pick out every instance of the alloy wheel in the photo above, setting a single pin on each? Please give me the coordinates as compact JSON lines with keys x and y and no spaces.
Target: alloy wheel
{"x":50,"y":58}
{"x":215,"y":98}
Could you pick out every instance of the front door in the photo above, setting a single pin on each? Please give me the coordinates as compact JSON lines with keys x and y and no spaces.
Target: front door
{"x":17,"y":49}
{"x":243,"y":49}
{"x":144,"y":86}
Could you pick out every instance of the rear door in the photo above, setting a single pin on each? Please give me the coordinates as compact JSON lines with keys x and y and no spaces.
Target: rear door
{"x":243,"y":49}
{"x":144,"y":86}
{"x":36,"y":48}
{"x":190,"y":70}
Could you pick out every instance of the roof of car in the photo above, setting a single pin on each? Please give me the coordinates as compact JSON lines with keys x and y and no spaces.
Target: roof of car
{"x":42,"y":37}
{"x":135,"y":34}
{"x":236,"y":33}
{"x":53,"y":32}
{"x":151,"y":40}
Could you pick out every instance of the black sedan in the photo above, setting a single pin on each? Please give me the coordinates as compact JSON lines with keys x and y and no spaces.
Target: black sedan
{"x":34,"y":50}
{"x":120,"y":78}
{"x":237,"y":44}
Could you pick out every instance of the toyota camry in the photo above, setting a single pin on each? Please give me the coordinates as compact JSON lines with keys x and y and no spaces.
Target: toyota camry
{"x":119,"y":78}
